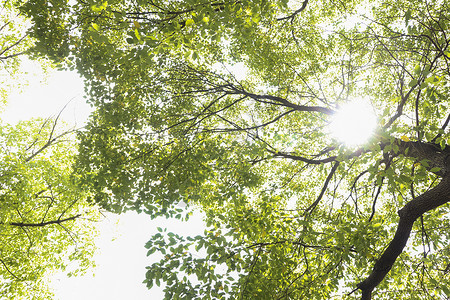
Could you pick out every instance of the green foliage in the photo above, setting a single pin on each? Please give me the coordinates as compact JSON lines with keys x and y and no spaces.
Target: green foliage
{"x":14,"y":44}
{"x":45,"y":222}
{"x":290,"y":212}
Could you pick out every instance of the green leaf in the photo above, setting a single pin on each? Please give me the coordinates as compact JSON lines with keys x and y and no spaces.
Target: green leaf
{"x":424,"y":163}
{"x":407,"y":16}
{"x":190,"y":22}
{"x":137,"y":34}
{"x":95,"y":26}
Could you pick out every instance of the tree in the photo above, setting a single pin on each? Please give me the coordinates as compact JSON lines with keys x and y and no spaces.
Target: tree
{"x":46,"y":223}
{"x":291,"y":212}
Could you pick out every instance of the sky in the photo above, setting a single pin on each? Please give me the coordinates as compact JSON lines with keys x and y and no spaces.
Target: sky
{"x":121,"y":257}
{"x":121,"y":260}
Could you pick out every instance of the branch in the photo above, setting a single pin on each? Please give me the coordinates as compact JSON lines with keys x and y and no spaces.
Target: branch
{"x":283,"y":102}
{"x":356,"y":153}
{"x":275,"y":100}
{"x":42,"y":224}
{"x":374,"y":203}
{"x":435,"y":156}
{"x":295,"y":13}
{"x":51,"y":139}
{"x":400,"y":106}
{"x":301,"y":158}
{"x":252,"y":127}
{"x":437,"y":196}
{"x":324,"y":188}
{"x":9,"y":271}
{"x":443,"y":128}
{"x":251,"y":270}
{"x":47,"y":144}
{"x":13,"y":45}
{"x":12,"y":55}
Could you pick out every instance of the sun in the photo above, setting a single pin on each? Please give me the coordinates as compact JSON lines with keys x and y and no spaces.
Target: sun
{"x":354,"y":123}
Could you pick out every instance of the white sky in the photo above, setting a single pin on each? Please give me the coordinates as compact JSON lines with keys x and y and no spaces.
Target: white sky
{"x":121,"y":259}
{"x":47,"y":97}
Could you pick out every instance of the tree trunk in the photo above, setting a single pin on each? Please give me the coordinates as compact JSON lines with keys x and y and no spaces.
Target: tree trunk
{"x":429,"y":200}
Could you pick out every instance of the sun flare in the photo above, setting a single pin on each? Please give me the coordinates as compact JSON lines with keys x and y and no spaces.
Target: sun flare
{"x":354,"y":123}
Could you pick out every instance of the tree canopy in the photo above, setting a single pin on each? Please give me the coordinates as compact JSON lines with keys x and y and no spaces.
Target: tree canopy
{"x":226,"y":106}
{"x":45,"y":218}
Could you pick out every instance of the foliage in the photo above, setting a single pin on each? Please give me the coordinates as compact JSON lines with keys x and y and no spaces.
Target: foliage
{"x":15,"y":43}
{"x":11,"y":44}
{"x":291,"y":212}
{"x":45,"y":221}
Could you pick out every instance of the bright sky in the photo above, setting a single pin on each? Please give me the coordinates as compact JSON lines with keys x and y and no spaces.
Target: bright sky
{"x":46,"y":98}
{"x":121,"y":259}
{"x":354,"y":122}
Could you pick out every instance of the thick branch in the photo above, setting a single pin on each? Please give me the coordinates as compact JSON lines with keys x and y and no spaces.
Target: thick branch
{"x":435,"y":156}
{"x":429,"y":200}
{"x":275,"y":100}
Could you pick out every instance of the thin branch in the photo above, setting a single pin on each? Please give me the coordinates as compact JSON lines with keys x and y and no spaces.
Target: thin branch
{"x":303,"y":159}
{"x":15,"y":44}
{"x":9,"y":271}
{"x":295,"y":13}
{"x":42,"y":224}
{"x":388,"y":164}
{"x":47,"y":144}
{"x":252,"y":127}
{"x":324,"y":188}
{"x":274,"y":100}
{"x":251,"y":270}
{"x":12,"y":55}
{"x":443,"y":128}
{"x":51,"y":139}
{"x":375,"y":199}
